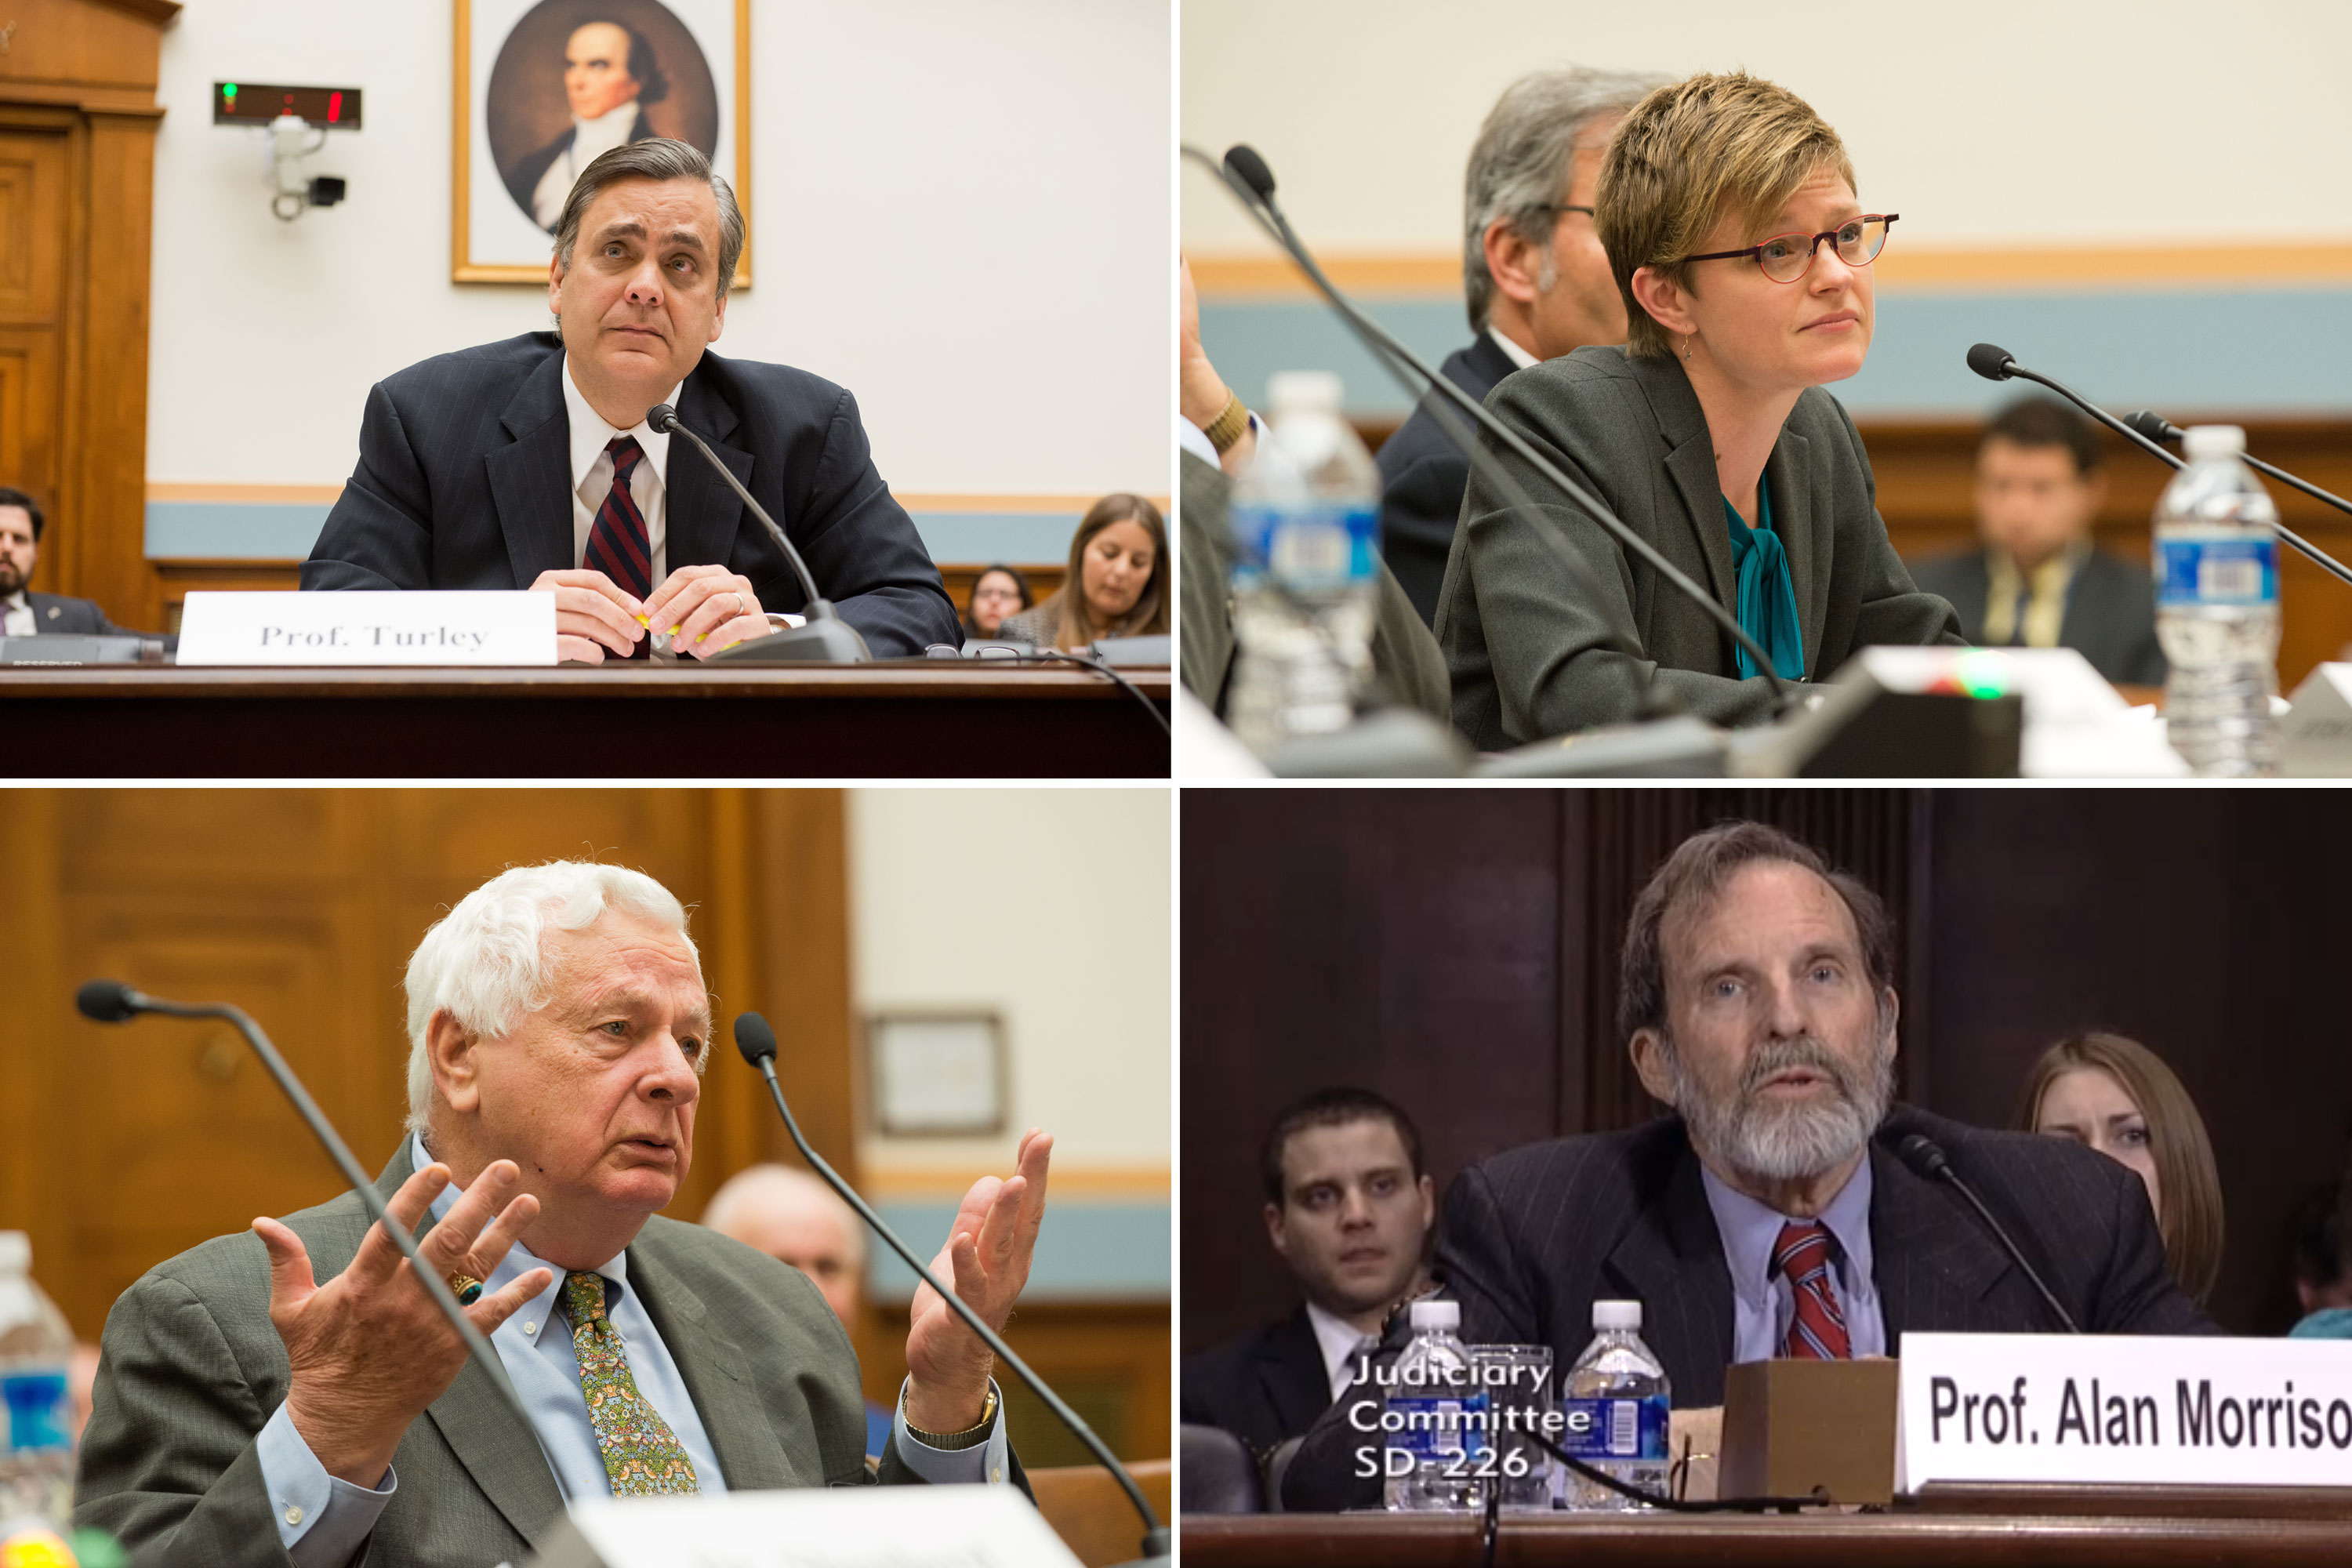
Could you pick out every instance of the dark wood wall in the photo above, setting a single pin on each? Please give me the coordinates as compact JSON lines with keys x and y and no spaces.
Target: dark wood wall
{"x":1456,"y":951}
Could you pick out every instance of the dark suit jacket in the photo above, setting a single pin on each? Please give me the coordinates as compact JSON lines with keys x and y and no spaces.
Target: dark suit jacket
{"x":1422,"y":472}
{"x":1538,"y":650}
{"x":1265,"y":1387}
{"x":192,"y":1370}
{"x":523,"y":176}
{"x":1531,"y":1238}
{"x":54,"y":613}
{"x":2110,"y":610}
{"x":465,"y":481}
{"x":1404,"y":656}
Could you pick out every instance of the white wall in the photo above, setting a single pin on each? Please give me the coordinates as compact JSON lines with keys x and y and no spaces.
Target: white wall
{"x":1067,"y":940}
{"x":960,"y":212}
{"x":1996,"y":121}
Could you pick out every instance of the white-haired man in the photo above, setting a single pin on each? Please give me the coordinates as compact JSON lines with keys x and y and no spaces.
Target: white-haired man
{"x":260,"y":1395}
{"x":795,"y":1218}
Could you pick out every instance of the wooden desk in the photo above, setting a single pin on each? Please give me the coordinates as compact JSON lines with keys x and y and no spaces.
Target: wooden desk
{"x":915,"y":717}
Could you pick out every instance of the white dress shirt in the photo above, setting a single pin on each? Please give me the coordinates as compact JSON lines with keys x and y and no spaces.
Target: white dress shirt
{"x":16,"y":615}
{"x":1343,"y":1346}
{"x":592,"y":475}
{"x":591,"y":140}
{"x":1519,"y":356}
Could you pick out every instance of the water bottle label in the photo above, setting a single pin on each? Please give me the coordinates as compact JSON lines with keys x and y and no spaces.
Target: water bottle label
{"x":1433,"y":1426}
{"x":2237,"y":571}
{"x":1615,"y":1429}
{"x":1310,"y":549}
{"x":36,"y":1411}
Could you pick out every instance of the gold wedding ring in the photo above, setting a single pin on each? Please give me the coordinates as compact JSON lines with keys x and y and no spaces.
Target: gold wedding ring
{"x":468,"y":1288}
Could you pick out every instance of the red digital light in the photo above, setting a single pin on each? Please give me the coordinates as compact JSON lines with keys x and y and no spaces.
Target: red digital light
{"x":334,"y":107}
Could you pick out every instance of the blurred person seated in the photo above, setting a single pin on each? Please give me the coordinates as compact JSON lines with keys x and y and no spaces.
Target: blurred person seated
{"x":23,"y":612}
{"x":2115,"y":1095}
{"x":2323,"y":1264}
{"x":1757,"y":999}
{"x":2039,"y":581}
{"x":1349,"y":1208}
{"x":1535,"y":279}
{"x":795,"y":1218}
{"x":997,"y":593}
{"x":1117,"y":582}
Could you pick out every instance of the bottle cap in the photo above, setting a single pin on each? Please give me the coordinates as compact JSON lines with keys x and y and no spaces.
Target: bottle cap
{"x":1617,"y":1314}
{"x":1303,"y":392}
{"x":2202,"y":441}
{"x":16,"y":1252}
{"x":1437,"y":1315}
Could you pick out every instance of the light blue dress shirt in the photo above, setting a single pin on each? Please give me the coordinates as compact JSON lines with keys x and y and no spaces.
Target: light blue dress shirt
{"x":1762,"y":1302}
{"x":324,"y":1520}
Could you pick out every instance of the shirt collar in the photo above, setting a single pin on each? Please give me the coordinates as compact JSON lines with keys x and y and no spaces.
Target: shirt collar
{"x":1336,"y":1337}
{"x":1519,"y":356}
{"x":590,"y":434}
{"x":1750,"y":1229}
{"x":16,"y":601}
{"x":520,"y":1259}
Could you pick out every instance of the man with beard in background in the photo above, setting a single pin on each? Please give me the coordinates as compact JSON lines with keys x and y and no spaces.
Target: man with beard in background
{"x":1770,"y":1215}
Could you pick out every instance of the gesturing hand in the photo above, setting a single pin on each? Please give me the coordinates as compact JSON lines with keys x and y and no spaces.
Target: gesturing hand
{"x":986,"y":1260}
{"x":369,"y":1350}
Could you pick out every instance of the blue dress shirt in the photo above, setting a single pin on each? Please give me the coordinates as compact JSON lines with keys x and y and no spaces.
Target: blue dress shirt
{"x":1762,"y":1302}
{"x":323,"y":1521}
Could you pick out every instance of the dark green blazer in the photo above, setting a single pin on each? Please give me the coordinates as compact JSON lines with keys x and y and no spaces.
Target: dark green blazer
{"x":1537,"y":649}
{"x":192,"y":1370}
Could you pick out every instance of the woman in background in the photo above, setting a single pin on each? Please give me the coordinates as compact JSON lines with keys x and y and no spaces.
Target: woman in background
{"x":997,"y":593}
{"x":1117,"y":585}
{"x":2117,"y":1097}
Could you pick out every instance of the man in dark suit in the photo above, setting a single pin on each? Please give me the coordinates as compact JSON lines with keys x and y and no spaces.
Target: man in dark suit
{"x":1349,"y":1208}
{"x":2039,"y":581}
{"x":23,"y":612}
{"x":292,"y":1392}
{"x":495,"y":467}
{"x":1537,"y":286}
{"x":1756,"y":999}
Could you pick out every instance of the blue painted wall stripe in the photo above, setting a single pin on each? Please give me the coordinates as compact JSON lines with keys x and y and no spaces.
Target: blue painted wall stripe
{"x":1085,"y":1250}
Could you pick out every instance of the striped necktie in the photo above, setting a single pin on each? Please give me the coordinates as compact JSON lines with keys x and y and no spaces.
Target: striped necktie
{"x":1817,"y":1333}
{"x":641,"y":1455}
{"x":619,"y":545}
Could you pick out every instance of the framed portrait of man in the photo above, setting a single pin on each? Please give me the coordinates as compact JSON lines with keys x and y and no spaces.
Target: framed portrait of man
{"x":544,"y":86}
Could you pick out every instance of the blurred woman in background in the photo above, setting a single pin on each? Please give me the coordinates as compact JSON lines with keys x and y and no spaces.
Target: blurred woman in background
{"x":2117,"y":1096}
{"x":998,"y":592}
{"x":1117,"y":585}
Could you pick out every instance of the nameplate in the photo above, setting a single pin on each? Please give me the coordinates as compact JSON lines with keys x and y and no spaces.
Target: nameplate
{"x":853,"y":1527}
{"x":2125,"y":1408}
{"x":420,"y":628}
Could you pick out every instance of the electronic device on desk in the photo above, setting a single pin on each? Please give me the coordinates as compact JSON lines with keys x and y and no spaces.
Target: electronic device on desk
{"x":73,"y":648}
{"x":1906,"y":712}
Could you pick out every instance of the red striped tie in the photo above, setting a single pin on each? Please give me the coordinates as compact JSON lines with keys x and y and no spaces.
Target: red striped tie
{"x":1818,"y":1331}
{"x":618,"y":545}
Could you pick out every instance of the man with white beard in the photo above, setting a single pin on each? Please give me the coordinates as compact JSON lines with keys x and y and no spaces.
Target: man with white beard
{"x":1756,"y":1000}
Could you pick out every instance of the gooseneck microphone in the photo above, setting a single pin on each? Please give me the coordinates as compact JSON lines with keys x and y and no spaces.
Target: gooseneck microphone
{"x":112,"y":1002}
{"x":1245,"y":174}
{"x":1999,"y":364}
{"x":1927,"y":1156}
{"x":757,"y":1042}
{"x":825,"y":638}
{"x":2157,"y":428}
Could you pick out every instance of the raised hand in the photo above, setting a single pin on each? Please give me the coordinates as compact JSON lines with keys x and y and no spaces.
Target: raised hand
{"x":986,"y":1259}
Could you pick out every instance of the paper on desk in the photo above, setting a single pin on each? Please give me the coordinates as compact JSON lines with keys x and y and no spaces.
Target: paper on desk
{"x":860,"y":1527}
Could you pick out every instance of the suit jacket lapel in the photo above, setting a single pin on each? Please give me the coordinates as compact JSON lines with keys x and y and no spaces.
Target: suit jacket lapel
{"x":1672,"y":1262}
{"x":1804,"y":531}
{"x":704,"y":512}
{"x":1289,"y":1369}
{"x":1690,"y":463}
{"x":1932,"y":1260}
{"x":530,"y":479}
{"x":718,"y":1377}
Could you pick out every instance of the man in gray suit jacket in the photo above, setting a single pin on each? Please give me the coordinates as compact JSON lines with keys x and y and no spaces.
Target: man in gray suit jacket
{"x":23,"y":612}
{"x":258,"y":1398}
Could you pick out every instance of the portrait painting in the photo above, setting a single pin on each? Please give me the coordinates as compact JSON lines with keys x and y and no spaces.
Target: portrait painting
{"x":545,"y":87}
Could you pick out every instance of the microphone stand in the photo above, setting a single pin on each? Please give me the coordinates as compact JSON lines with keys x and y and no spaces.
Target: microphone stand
{"x":110,"y":1001}
{"x":2153,"y":426}
{"x":757,"y":1042}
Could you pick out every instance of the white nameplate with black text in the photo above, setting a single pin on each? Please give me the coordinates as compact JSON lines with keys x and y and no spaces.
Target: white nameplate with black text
{"x":494,"y":628}
{"x":2125,"y":1408}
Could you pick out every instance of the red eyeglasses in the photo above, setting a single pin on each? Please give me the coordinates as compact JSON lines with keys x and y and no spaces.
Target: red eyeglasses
{"x":1785,"y":257}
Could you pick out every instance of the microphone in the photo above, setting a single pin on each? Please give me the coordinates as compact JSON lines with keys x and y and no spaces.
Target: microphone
{"x":112,"y":1002}
{"x":1997,"y":365}
{"x":2157,"y":428}
{"x":758,"y":1043}
{"x":1245,"y":174}
{"x":1925,"y":1155}
{"x":825,"y":638}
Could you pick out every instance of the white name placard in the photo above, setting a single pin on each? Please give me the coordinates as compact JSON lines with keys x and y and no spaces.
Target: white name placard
{"x":851,"y":1527}
{"x":420,"y":628}
{"x":2126,"y":1408}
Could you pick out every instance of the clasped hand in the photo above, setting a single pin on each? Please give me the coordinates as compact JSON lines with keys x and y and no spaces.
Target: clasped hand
{"x":704,"y":609}
{"x":986,"y":1258}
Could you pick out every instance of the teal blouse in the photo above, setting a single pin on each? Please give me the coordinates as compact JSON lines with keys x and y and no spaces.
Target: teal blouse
{"x":1768,"y":600}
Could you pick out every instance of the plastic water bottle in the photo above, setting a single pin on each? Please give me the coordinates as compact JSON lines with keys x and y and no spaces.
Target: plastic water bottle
{"x":1435,"y":1453}
{"x":1616,"y":1401}
{"x":2216,"y":608}
{"x":1307,"y":518}
{"x":36,"y":1457}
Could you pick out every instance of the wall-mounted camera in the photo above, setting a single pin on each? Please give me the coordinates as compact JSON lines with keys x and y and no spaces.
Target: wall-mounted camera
{"x":294,"y":121}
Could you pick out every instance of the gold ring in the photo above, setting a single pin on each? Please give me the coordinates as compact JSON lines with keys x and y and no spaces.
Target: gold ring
{"x":468,"y":1289}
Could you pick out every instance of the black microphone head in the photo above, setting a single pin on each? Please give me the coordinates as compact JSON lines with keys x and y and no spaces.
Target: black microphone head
{"x":755,"y":1038}
{"x":1242,"y":161}
{"x":1923,"y":1154}
{"x":1990,"y":362}
{"x":2153,"y":426}
{"x":107,"y":1001}
{"x":661,"y":417}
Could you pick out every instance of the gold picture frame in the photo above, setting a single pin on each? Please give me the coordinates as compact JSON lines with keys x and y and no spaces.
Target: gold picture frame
{"x":465,"y":266}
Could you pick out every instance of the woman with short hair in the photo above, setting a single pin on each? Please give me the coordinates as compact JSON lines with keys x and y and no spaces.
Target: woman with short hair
{"x":997,"y":593}
{"x":1117,"y":584}
{"x":1728,"y":210}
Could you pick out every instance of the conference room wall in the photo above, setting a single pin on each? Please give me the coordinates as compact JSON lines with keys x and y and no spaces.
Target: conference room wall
{"x":960,"y":213}
{"x":1456,"y":950}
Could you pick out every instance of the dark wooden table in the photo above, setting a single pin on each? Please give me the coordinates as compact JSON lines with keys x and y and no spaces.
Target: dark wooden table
{"x":913,"y":719}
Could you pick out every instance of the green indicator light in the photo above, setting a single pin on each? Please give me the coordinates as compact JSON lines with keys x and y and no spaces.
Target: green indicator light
{"x":228,"y":90}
